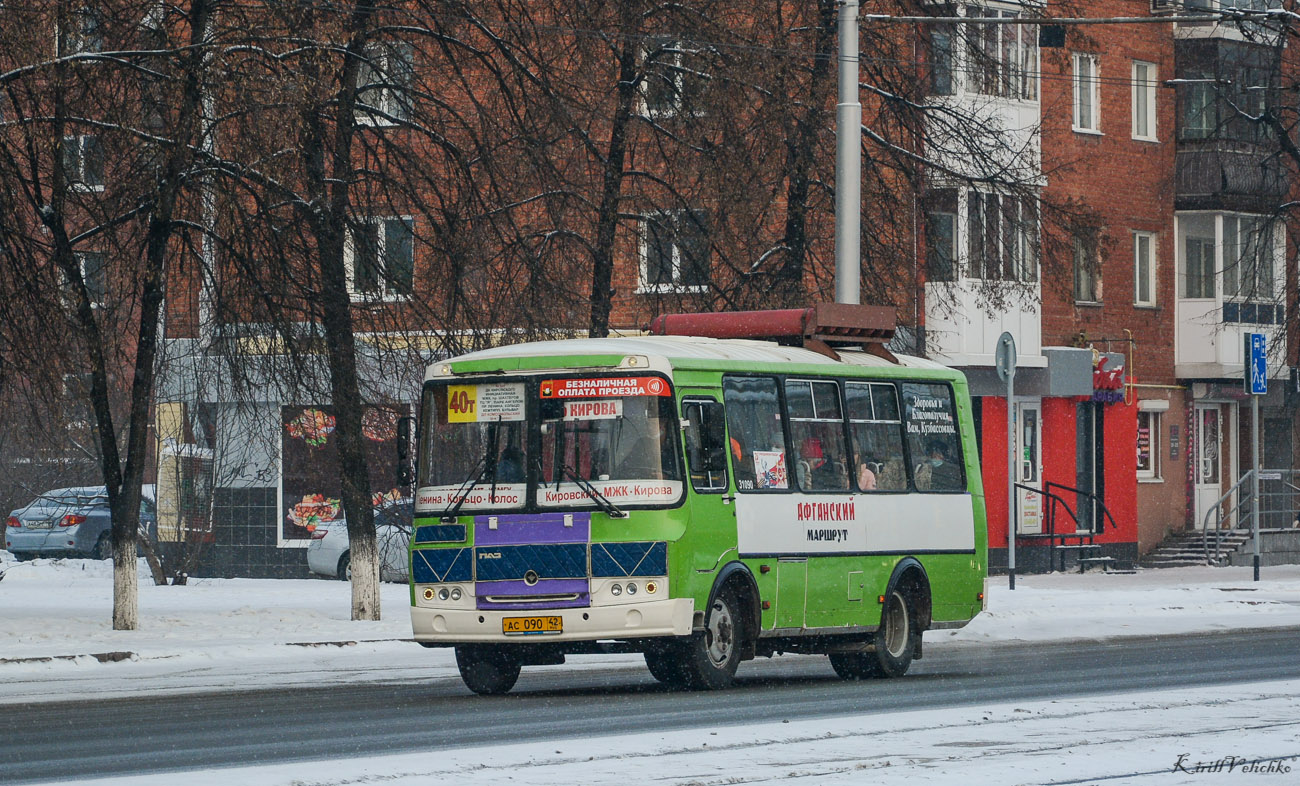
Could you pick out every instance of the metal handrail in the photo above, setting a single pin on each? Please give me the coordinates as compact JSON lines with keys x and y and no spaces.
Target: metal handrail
{"x":1092,"y":497}
{"x":1051,"y":511}
{"x":1205,"y":523}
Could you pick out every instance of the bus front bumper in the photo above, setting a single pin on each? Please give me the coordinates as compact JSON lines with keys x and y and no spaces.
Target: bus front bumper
{"x":629,"y":621}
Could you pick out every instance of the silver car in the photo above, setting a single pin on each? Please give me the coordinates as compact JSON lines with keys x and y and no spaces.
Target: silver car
{"x":68,"y":522}
{"x":328,"y":555}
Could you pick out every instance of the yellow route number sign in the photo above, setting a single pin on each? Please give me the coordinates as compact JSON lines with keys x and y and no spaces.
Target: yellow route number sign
{"x":462,"y":403}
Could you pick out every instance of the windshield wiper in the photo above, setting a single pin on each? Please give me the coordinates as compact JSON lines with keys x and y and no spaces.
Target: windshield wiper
{"x":600,"y":499}
{"x":485,"y":463}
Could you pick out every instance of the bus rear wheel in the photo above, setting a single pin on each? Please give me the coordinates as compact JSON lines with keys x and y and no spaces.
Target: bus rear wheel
{"x":487,"y":671}
{"x":895,"y":642}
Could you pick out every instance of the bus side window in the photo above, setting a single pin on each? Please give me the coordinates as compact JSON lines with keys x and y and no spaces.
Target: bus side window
{"x":705,"y":444}
{"x":877,"y":433}
{"x":817,"y":434}
{"x":757,"y":439}
{"x":932,"y":437}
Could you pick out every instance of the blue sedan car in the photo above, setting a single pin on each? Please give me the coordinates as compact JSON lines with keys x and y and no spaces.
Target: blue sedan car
{"x":67,"y":522}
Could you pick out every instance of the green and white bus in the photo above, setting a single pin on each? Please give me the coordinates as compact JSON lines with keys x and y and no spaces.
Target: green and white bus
{"x":701,"y":500}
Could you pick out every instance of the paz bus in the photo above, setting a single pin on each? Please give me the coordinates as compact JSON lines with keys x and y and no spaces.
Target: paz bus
{"x":730,"y":486}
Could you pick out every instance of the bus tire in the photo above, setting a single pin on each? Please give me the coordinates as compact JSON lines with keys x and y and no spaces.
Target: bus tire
{"x":487,"y":671}
{"x":712,"y":655}
{"x":895,"y":642}
{"x":665,"y":664}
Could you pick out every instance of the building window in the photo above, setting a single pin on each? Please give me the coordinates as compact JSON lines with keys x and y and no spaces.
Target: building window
{"x":1002,"y":236}
{"x":94,"y":276}
{"x":675,"y":252}
{"x":941,"y":235}
{"x":1200,"y":110}
{"x":1144,"y":100}
{"x":672,"y":83}
{"x":1148,"y":444}
{"x":941,"y":59}
{"x":83,"y":162}
{"x":1144,"y":269}
{"x":1087,"y":109}
{"x":1087,"y":267}
{"x":1247,"y":258}
{"x":85,"y":31}
{"x":380,"y":257}
{"x":1003,"y":58}
{"x":384,"y":83}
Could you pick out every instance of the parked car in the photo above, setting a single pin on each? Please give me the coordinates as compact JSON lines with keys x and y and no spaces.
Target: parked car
{"x":328,"y":555}
{"x":68,"y":522}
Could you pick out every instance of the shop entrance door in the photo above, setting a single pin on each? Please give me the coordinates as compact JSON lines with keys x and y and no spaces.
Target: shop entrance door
{"x":1029,"y":465}
{"x":1208,"y":470}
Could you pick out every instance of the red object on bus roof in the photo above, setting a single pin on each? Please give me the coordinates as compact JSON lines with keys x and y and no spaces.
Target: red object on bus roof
{"x":818,"y":327}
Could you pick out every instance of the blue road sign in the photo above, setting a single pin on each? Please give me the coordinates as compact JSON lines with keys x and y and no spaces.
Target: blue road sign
{"x":1257,"y":364}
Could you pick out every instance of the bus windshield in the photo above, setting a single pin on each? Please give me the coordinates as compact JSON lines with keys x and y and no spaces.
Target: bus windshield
{"x":622,"y":446}
{"x":474,"y":446}
{"x":549,"y":443}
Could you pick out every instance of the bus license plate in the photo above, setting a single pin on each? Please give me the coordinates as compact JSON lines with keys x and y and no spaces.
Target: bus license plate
{"x":525,"y":625}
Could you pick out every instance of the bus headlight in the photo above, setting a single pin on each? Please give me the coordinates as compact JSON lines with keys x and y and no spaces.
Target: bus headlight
{"x":455,"y":593}
{"x":631,"y":588}
{"x":616,"y":590}
{"x":443,"y":594}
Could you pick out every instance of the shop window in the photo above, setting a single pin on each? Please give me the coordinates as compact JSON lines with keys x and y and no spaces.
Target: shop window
{"x":817,"y":435}
{"x":1148,"y":445}
{"x":756,"y":438}
{"x":877,"y":433}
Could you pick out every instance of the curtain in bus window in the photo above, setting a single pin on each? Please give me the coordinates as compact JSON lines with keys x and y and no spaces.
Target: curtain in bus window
{"x":877,"y":434}
{"x":931,"y":424}
{"x":757,"y":443}
{"x":817,"y":431}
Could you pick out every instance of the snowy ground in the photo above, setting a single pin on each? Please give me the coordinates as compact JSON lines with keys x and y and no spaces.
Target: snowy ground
{"x":212,"y":633}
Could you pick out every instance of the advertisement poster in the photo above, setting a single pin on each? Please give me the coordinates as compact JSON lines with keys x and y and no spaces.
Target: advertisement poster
{"x":769,"y":469}
{"x":309,"y":465}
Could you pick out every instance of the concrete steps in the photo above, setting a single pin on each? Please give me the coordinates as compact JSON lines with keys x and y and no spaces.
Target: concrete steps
{"x":1185,"y":549}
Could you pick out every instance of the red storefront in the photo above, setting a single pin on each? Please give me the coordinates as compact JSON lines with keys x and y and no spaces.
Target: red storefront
{"x":1071,"y":449}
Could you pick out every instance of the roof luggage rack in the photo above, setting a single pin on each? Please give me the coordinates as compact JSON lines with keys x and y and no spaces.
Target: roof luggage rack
{"x":821,"y":327}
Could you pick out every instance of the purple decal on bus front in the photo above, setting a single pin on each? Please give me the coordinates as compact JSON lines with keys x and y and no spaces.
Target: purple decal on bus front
{"x":525,"y":528}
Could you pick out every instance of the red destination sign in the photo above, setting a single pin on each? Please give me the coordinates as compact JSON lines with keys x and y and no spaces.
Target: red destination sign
{"x":604,"y":388}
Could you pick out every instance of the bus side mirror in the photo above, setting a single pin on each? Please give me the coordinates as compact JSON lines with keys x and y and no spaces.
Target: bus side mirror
{"x":405,"y":474}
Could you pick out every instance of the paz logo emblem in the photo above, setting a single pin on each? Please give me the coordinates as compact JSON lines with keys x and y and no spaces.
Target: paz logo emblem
{"x":530,"y":578}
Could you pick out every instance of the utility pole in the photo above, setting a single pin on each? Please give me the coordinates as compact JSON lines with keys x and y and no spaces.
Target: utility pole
{"x":848,"y":162}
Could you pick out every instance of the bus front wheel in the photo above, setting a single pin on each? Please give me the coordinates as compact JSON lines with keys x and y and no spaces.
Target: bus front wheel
{"x":895,"y":643}
{"x":486,"y":670}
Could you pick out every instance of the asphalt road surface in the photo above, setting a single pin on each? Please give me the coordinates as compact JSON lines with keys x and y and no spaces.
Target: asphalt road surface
{"x":64,"y":740}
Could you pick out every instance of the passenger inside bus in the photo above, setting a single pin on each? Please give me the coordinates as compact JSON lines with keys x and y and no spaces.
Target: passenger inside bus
{"x":510,"y":467}
{"x":937,"y":472}
{"x":817,"y":471}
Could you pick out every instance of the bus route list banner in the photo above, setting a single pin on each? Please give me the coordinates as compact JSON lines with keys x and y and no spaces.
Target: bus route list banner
{"x":604,"y":388}
{"x":487,"y":403}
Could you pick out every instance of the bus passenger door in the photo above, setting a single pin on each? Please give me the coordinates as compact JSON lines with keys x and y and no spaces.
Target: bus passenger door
{"x":791,"y":591}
